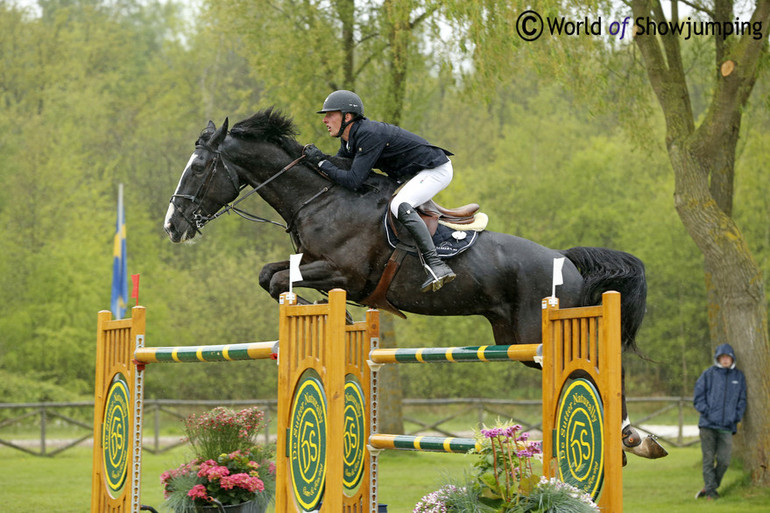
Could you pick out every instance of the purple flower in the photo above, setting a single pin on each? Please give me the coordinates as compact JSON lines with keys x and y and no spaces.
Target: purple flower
{"x":492,"y":433}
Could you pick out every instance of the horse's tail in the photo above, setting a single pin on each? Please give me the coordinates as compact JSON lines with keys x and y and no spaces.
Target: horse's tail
{"x":607,"y":269}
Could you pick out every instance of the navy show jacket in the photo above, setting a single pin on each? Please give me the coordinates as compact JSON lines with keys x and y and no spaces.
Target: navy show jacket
{"x":373,"y":144}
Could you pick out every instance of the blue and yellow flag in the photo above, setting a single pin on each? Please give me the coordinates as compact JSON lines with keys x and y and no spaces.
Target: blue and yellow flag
{"x":119,"y":263}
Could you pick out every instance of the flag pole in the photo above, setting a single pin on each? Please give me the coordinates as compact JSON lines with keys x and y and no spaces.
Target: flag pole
{"x":119,"y":298}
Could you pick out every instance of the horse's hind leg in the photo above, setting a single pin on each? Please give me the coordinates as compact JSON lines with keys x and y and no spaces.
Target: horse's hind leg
{"x":632,"y":440}
{"x":505,"y":334}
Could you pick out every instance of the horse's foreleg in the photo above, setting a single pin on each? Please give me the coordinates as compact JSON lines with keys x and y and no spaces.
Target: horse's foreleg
{"x":319,"y":275}
{"x":267,"y":273}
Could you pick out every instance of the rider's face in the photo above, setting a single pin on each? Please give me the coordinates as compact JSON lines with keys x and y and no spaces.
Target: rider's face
{"x":333,"y":122}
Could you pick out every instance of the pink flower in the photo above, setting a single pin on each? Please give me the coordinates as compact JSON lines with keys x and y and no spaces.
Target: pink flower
{"x":245,"y":481}
{"x":218,"y":473}
{"x":205,"y":466}
{"x":198,"y":492}
{"x":209,"y":469}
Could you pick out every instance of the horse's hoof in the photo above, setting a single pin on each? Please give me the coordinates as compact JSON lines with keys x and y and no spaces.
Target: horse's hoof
{"x":649,"y":448}
{"x":631,"y":437}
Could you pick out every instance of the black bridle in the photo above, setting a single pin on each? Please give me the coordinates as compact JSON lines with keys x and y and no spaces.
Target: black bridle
{"x":200,"y":217}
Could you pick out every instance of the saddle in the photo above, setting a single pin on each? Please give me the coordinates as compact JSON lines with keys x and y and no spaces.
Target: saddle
{"x":433,"y":213}
{"x":462,"y":218}
{"x":459,"y":218}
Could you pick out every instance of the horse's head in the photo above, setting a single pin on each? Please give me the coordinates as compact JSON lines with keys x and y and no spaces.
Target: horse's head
{"x":207,"y":184}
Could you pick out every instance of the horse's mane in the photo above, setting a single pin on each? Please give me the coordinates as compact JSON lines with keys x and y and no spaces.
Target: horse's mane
{"x":269,"y":125}
{"x":272,"y":126}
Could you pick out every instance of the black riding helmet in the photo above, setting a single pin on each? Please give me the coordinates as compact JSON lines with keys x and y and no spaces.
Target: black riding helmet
{"x":345,"y":102}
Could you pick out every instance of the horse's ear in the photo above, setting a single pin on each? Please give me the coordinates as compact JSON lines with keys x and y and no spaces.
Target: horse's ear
{"x":211,"y":126}
{"x":219,"y":135}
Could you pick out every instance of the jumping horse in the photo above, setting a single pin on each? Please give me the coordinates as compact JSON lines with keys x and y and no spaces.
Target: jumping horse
{"x":341,"y":235}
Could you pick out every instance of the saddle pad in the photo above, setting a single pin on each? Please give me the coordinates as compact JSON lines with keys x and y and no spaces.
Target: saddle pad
{"x":448,"y":241}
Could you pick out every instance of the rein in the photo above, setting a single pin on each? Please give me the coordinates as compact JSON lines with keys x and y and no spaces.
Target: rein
{"x":200,"y":219}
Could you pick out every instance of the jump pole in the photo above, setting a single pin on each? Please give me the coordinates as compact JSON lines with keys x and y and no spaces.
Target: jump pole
{"x":323,"y":396}
{"x":581,"y":389}
{"x":318,"y":388}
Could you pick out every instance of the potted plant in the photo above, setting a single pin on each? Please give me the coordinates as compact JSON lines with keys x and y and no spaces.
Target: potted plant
{"x":230,"y":472}
{"x":504,"y":481}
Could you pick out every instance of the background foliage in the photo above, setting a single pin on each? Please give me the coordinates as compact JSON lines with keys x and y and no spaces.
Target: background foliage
{"x":94,"y":93}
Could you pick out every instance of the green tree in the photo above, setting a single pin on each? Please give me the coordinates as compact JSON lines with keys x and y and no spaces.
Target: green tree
{"x":702,"y":153}
{"x":701,"y":146}
{"x":99,"y":94}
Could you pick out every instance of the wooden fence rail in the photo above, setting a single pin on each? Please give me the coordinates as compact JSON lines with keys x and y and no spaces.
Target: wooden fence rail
{"x":26,"y":418}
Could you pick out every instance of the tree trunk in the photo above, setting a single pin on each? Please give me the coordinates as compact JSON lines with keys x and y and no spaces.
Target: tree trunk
{"x":739,"y":291}
{"x":398,"y":30}
{"x":346,"y":12}
{"x":703,"y":159}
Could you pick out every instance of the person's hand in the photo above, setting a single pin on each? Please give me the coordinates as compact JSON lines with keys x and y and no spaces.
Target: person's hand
{"x":313,"y":155}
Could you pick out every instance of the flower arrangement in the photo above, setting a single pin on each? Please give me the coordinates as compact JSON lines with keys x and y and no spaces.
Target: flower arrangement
{"x":223,"y":430}
{"x":552,"y":496}
{"x":229,"y":467}
{"x":504,"y":481}
{"x":440,"y":501}
{"x":505,"y":467}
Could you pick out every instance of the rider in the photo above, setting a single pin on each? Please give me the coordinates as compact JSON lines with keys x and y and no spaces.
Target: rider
{"x":402,"y":155}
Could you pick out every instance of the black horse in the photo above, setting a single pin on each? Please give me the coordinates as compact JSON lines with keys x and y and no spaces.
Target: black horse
{"x":342,"y":237}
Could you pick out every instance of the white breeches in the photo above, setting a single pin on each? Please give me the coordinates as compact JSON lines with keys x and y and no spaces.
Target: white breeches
{"x":423,"y":186}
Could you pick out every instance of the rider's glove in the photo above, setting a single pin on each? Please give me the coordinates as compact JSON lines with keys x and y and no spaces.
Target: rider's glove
{"x":313,"y":155}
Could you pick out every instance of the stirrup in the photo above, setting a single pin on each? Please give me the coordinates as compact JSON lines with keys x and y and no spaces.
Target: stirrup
{"x":435,"y":282}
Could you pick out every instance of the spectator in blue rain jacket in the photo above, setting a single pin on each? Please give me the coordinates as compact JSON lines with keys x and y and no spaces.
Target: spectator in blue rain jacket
{"x":720,"y":398}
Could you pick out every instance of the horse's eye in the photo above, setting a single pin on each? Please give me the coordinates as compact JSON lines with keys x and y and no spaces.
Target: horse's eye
{"x":197,"y":167}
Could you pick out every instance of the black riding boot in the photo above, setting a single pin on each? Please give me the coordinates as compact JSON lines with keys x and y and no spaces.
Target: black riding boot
{"x":438,"y":272}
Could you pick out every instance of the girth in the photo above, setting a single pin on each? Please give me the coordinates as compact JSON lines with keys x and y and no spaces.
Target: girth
{"x":378,"y":298}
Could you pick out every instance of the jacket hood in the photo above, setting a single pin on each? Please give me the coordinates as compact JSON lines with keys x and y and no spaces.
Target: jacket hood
{"x":724,"y":349}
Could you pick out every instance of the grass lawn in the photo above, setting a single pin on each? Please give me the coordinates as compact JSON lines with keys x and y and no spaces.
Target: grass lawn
{"x":62,"y":484}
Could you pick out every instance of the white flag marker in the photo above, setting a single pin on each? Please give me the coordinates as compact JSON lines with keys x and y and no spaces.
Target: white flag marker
{"x":558,"y":279}
{"x":294,"y":273}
